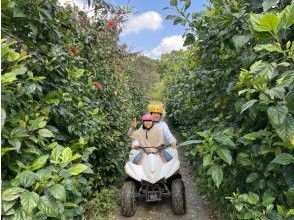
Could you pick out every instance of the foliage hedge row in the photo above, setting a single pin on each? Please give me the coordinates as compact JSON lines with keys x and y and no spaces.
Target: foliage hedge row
{"x":232,"y":94}
{"x":66,"y":106}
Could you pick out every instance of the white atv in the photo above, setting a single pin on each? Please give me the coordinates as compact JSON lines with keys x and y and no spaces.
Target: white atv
{"x":153,"y":180}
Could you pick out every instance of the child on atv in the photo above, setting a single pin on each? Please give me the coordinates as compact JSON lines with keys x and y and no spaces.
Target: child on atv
{"x":147,"y":136}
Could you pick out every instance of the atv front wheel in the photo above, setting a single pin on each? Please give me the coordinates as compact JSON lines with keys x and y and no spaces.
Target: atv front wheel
{"x":128,"y":199}
{"x":178,"y":197}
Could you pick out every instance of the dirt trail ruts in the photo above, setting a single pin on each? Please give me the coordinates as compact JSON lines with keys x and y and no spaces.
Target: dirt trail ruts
{"x":197,"y":206}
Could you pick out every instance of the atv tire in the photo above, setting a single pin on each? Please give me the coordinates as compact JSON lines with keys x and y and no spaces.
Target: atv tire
{"x":128,"y":199}
{"x":178,"y":197}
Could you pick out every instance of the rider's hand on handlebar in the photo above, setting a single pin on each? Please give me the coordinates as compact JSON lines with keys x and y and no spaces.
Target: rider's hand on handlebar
{"x":134,"y":145}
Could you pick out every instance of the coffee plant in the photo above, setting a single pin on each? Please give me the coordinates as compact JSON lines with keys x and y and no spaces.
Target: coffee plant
{"x":231,"y":93}
{"x":67,"y":101}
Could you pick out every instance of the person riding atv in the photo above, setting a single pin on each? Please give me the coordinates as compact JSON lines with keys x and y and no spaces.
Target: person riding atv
{"x":150,"y":176}
{"x":146,"y":136}
{"x":157,"y":110}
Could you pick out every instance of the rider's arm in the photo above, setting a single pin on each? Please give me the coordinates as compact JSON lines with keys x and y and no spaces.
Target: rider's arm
{"x":168,"y":135}
{"x":130,"y":132}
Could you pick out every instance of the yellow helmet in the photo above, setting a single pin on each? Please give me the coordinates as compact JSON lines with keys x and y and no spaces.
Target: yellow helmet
{"x":155,"y":108}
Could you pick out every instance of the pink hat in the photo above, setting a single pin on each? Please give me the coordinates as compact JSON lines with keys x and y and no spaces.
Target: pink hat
{"x":147,"y":117}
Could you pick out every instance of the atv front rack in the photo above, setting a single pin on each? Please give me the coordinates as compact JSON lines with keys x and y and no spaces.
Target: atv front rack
{"x":153,"y":192}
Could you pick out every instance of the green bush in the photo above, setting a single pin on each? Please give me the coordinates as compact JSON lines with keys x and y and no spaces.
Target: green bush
{"x":66,"y":107}
{"x":237,"y":103}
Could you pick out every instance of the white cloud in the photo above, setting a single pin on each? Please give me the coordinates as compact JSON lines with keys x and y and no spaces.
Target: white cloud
{"x":149,"y":20}
{"x":167,"y":45}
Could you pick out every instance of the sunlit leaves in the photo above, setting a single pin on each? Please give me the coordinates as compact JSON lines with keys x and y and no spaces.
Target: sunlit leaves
{"x":29,"y":201}
{"x":77,"y":169}
{"x":11,"y":193}
{"x":268,"y":22}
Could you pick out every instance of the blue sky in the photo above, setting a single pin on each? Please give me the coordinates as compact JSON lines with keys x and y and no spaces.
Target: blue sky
{"x":152,"y":41}
{"x":147,"y":30}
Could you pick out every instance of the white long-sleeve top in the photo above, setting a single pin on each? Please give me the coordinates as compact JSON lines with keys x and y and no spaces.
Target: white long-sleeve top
{"x":166,"y":133}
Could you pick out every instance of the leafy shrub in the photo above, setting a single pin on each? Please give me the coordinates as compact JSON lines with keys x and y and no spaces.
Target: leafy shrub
{"x":236,"y":104}
{"x":66,"y":107}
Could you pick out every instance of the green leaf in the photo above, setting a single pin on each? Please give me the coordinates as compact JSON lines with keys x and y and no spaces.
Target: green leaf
{"x":20,"y":214}
{"x":22,"y":165}
{"x":45,"y":133}
{"x":38,"y":123}
{"x":15,"y":143}
{"x":189,"y":39}
{"x":244,"y":159}
{"x":31,"y":88}
{"x":262,"y":71}
{"x":173,"y":2}
{"x":48,"y":206}
{"x":26,"y":178}
{"x":82,"y":141}
{"x":4,"y":150}
{"x":77,"y":169}
{"x":284,"y":159}
{"x":55,"y":154}
{"x":252,"y":198}
{"x":11,"y":76}
{"x":286,"y":130}
{"x":224,"y":140}
{"x":11,"y":193}
{"x":251,"y":177}
{"x":19,"y":133}
{"x":225,"y":155}
{"x":34,"y":29}
{"x":207,"y":160}
{"x":6,"y":206}
{"x":190,"y":142}
{"x":281,"y":210}
{"x":277,"y":114}
{"x":79,"y":73}
{"x":277,"y":92}
{"x":39,"y":162}
{"x":66,"y":155}
{"x":17,"y":13}
{"x":290,"y":213}
{"x":74,"y":157}
{"x":288,"y":16}
{"x":290,"y":102}
{"x":12,"y":56}
{"x":187,"y":4}
{"x":248,"y":105}
{"x":240,"y":41}
{"x":268,"y":4}
{"x":217,"y":175}
{"x":29,"y":201}
{"x":267,"y":200}
{"x":58,"y":192}
{"x":267,"y":22}
{"x":269,"y":47}
{"x":170,"y":17}
{"x":270,"y":22}
{"x":179,"y":20}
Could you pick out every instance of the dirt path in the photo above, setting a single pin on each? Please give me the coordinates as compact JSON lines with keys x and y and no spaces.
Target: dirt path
{"x":197,"y":207}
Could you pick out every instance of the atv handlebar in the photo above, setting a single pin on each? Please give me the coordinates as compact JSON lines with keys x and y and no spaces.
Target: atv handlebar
{"x":158,"y":148}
